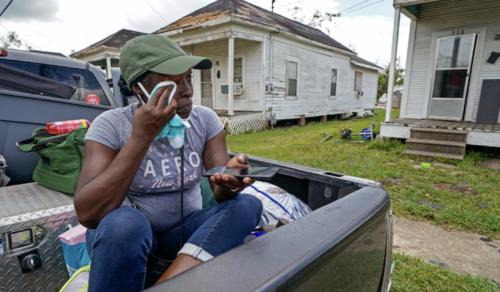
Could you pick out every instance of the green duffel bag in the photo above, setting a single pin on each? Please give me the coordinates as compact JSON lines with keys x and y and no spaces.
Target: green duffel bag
{"x":60,"y":158}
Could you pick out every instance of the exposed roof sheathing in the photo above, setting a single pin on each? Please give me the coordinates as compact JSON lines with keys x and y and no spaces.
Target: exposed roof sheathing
{"x":249,"y":12}
{"x":116,"y":40}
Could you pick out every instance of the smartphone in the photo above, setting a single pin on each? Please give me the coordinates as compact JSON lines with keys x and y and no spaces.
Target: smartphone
{"x":257,"y":173}
{"x":151,"y":96}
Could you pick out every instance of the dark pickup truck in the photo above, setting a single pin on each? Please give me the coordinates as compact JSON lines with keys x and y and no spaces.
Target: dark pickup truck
{"x":345,"y":244}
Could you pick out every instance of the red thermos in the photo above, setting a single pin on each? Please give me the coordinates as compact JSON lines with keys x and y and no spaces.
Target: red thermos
{"x":64,"y":127}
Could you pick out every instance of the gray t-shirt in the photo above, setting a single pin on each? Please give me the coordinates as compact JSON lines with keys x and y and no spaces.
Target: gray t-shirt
{"x":155,"y":187}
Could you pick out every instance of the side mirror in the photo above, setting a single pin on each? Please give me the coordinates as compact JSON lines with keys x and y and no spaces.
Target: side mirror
{"x":110,"y":82}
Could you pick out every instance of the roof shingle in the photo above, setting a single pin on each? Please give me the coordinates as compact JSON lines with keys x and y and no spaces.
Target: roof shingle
{"x":116,"y":40}
{"x":250,"y":12}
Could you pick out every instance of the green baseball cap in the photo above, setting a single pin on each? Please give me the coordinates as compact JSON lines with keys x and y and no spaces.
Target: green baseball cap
{"x":157,"y":54}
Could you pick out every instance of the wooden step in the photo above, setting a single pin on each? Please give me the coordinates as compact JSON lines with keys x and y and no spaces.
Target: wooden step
{"x":438,"y":134}
{"x":434,"y":154}
{"x":437,"y":142}
{"x":437,"y":146}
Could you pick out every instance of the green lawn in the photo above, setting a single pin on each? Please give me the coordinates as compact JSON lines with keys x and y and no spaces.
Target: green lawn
{"x":411,"y":274}
{"x":466,"y":197}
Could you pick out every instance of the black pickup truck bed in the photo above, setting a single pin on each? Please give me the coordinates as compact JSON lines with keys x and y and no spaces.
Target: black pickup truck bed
{"x":344,"y":245}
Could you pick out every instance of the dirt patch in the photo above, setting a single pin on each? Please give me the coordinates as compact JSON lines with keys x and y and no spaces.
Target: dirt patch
{"x":445,"y":166}
{"x":431,"y":204}
{"x":491,"y":164}
{"x":464,"y":252}
{"x":456,"y":188}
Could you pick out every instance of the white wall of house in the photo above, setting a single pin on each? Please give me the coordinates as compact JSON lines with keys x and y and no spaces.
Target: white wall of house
{"x":261,"y":55}
{"x":445,"y":18}
{"x":314,"y":75}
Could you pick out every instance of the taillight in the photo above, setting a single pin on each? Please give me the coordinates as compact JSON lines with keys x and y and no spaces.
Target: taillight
{"x":3,"y":53}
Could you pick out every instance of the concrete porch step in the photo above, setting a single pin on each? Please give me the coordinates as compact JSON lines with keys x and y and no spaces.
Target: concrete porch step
{"x":438,"y":134}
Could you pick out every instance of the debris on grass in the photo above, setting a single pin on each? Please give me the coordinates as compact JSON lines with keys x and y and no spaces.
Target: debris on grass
{"x":491,"y":164}
{"x":439,"y":264}
{"x":445,"y":165}
{"x":486,"y":239}
{"x":431,"y":204}
{"x":463,"y":188}
{"x":325,"y":137}
{"x":392,"y":181}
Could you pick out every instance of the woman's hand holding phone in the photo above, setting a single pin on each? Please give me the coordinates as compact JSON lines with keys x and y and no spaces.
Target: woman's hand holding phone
{"x":230,"y":182}
{"x":152,"y":116}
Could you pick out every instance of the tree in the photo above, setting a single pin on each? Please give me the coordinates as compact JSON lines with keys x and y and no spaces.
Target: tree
{"x":383,"y":79}
{"x":11,"y":39}
{"x":318,"y":19}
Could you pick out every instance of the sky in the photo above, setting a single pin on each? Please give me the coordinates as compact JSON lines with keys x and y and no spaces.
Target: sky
{"x":65,"y":26}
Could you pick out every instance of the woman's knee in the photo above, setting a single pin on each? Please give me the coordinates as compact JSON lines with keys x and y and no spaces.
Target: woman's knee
{"x":249,"y":206}
{"x":125,"y":225}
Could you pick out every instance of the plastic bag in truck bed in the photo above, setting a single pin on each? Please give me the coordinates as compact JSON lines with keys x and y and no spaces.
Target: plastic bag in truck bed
{"x":74,"y":246}
{"x":4,"y":179}
{"x":278,"y":204}
{"x":60,"y":158}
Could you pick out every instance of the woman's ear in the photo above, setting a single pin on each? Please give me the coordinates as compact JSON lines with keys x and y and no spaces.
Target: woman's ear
{"x":136,"y":90}
{"x":139,"y":94}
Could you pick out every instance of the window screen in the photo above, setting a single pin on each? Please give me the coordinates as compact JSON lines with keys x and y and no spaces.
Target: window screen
{"x":358,"y":80}
{"x":291,"y":78}
{"x":333,"y":83}
{"x":238,"y":70}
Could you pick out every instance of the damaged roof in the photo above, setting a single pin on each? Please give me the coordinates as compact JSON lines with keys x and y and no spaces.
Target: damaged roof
{"x":116,"y":40}
{"x":246,"y":11}
{"x":364,"y":63}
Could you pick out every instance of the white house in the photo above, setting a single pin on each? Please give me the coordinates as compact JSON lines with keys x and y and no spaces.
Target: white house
{"x":452,"y":79}
{"x":266,"y":66}
{"x":106,"y":52}
{"x":267,"y":63}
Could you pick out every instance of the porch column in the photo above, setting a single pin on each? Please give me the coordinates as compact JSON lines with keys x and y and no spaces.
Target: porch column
{"x":392,"y":68}
{"x":108,"y":67}
{"x":230,"y":77}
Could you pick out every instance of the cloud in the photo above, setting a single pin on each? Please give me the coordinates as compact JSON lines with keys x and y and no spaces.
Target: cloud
{"x":370,"y":36}
{"x":32,"y":10}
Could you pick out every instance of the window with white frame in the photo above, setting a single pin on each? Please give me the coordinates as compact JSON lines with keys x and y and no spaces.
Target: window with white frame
{"x":333,"y":82}
{"x":358,"y":81}
{"x":206,"y":83}
{"x":291,"y":78}
{"x":238,"y":70}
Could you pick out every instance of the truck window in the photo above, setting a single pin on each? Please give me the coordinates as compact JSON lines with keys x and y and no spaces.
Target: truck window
{"x":88,"y":89}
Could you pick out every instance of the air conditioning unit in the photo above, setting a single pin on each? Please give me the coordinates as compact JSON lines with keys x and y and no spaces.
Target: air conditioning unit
{"x":238,"y":89}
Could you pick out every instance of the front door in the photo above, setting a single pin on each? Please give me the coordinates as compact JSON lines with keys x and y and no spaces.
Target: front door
{"x":451,"y":76}
{"x":207,"y":94}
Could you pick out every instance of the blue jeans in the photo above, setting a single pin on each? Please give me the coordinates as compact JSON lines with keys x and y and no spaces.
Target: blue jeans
{"x":120,"y":246}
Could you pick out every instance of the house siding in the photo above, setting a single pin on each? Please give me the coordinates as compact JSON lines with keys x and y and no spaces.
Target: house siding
{"x":263,"y":55}
{"x":448,"y":16}
{"x":313,"y":89}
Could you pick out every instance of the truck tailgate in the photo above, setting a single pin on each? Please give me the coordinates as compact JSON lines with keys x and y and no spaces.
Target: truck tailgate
{"x":340,"y":246}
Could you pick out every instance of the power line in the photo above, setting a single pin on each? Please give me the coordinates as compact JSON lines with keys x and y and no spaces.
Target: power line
{"x":156,"y":11}
{"x":354,"y":6}
{"x":6,"y":6}
{"x":362,"y":7}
